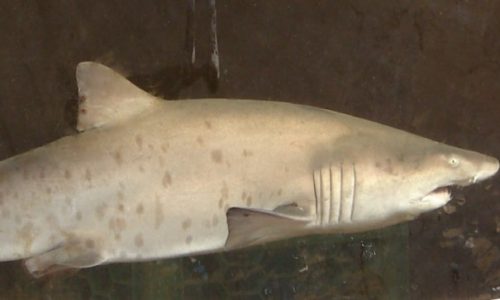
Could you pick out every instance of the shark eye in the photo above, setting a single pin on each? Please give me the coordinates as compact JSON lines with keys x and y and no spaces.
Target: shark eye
{"x":454,"y":161}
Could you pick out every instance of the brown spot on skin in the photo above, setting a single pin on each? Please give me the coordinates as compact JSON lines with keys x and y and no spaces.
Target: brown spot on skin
{"x":100,"y":211}
{"x":159,"y":217}
{"x":164,"y":147}
{"x":217,"y":156}
{"x":247,"y":153}
{"x":186,"y":224}
{"x":67,"y":174}
{"x":249,"y":200}
{"x":118,"y":157}
{"x":377,"y":164}
{"x":189,"y":239}
{"x":138,"y":240}
{"x":121,"y":223}
{"x":388,"y":167}
{"x":48,"y":190}
{"x":140,"y":209}
{"x":81,"y":99}
{"x":280,"y":191}
{"x":88,"y":175}
{"x":199,"y":140}
{"x":83,"y":111}
{"x":141,"y":168}
{"x":151,"y":147}
{"x":139,"y":141}
{"x":117,"y":224}
{"x":167,"y":179}
{"x":215,"y":220}
{"x":89,"y":243}
{"x":121,"y":207}
{"x":79,"y":215}
{"x":286,"y":170}
{"x":117,"y":236}
{"x":26,"y":235}
{"x":208,"y":124}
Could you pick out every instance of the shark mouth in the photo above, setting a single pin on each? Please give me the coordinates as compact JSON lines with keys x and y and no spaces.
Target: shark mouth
{"x":442,"y":189}
{"x":437,"y":198}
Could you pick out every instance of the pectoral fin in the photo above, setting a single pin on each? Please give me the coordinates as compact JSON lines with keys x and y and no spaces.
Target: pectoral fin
{"x":250,"y":227}
{"x":73,"y":254}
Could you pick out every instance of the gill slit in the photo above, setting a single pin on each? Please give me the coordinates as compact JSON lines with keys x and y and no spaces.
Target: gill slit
{"x":353,"y":191}
{"x":321,"y":196}
{"x":341,"y":173}
{"x":331,"y":195}
{"x":315,"y":193}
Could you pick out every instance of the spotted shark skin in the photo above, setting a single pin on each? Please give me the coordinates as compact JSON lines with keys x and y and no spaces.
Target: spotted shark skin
{"x":147,"y":178}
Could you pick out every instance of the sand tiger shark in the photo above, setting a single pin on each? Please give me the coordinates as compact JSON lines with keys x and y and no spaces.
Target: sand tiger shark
{"x":147,"y":178}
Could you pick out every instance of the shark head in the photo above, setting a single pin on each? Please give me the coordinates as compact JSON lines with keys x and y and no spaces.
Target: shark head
{"x":410,"y":176}
{"x":444,"y":166}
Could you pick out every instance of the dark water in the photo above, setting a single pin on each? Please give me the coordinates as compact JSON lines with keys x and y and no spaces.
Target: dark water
{"x":428,"y":67}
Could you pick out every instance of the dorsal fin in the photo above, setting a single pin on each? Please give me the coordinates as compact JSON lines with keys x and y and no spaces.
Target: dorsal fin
{"x":106,"y":96}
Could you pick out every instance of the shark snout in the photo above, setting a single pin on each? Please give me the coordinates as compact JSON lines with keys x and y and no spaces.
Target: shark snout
{"x":489,"y":167}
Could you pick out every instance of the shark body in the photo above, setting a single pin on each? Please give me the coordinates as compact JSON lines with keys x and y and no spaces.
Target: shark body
{"x":149,"y":179}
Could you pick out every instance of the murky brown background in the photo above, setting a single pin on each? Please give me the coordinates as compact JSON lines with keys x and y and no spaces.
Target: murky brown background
{"x":429,"y":67}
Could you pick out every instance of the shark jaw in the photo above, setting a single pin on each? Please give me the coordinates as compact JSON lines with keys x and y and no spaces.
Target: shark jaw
{"x":442,"y":194}
{"x":438,"y":197}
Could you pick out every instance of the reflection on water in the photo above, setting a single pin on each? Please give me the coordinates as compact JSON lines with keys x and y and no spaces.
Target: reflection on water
{"x":372,"y":265}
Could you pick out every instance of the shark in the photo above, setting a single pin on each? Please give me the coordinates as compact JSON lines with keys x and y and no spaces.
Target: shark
{"x":146,"y":178}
